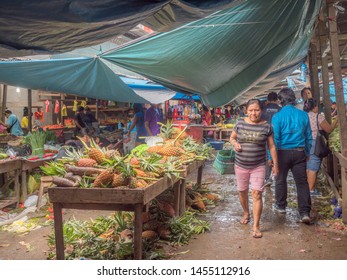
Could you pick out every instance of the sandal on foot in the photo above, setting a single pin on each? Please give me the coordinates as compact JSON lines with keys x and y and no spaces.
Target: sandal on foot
{"x":244,"y":220}
{"x":257,"y":233}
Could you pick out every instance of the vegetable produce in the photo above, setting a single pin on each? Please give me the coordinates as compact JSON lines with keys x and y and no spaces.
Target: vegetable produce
{"x":63,"y":182}
{"x":334,"y":140}
{"x":36,"y":140}
{"x":3,"y":155}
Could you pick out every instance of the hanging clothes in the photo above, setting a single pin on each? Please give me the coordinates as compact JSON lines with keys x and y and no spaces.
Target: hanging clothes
{"x":83,"y":103}
{"x":64,"y":111}
{"x":75,"y":105}
{"x":38,"y":116}
{"x":57,"y":107}
{"x":47,"y":103}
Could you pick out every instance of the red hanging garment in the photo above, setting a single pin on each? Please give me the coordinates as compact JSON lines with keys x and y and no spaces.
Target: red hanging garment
{"x":57,"y":107}
{"x":47,"y":105}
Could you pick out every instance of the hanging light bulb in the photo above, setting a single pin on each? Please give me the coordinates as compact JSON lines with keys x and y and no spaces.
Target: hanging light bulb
{"x":17,"y":89}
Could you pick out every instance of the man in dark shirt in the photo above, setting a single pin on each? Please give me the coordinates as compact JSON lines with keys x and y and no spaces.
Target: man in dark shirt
{"x":80,"y":124}
{"x":270,"y":109}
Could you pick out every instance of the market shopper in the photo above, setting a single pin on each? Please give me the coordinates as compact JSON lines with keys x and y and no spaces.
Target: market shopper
{"x":249,"y":139}
{"x":138,"y":121}
{"x":313,"y":164}
{"x":13,"y":124}
{"x":306,"y":93}
{"x":206,"y":116}
{"x":90,"y":121}
{"x":79,"y":122}
{"x":293,"y":139}
{"x":270,"y":109}
{"x":152,"y":117}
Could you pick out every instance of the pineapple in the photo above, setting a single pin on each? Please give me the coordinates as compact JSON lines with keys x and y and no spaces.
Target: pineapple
{"x":119,"y":180}
{"x":137,"y":183}
{"x":171,"y":151}
{"x":86,"y":162}
{"x":149,"y":235}
{"x":167,"y":130}
{"x":124,"y":172}
{"x":103,"y":179}
{"x":96,"y":154}
{"x":151,"y":225}
{"x":154,"y":149}
{"x":134,"y":161}
{"x":112,"y":154}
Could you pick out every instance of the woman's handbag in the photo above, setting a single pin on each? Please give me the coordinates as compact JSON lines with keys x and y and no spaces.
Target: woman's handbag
{"x":321,"y":149}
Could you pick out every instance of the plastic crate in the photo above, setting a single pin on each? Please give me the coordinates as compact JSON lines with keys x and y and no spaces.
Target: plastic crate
{"x":217,"y":145}
{"x":223,"y":167}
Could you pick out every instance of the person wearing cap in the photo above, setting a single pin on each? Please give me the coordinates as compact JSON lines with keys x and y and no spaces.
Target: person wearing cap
{"x":13,"y":124}
{"x":293,"y":140}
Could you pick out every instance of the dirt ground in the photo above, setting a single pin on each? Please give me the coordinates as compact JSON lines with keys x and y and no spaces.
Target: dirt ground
{"x":283,"y":237}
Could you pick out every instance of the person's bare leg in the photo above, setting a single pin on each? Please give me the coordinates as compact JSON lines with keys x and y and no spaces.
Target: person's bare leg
{"x":257,"y":210}
{"x":243,"y":195}
{"x":311,"y":178}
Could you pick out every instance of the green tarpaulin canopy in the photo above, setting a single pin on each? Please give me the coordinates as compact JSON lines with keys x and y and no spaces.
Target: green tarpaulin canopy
{"x":228,"y":53}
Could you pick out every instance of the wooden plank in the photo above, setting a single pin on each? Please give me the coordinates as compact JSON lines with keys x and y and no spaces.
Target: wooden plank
{"x":335,"y":53}
{"x":313,"y":66}
{"x":9,"y":165}
{"x":58,"y":230}
{"x":98,"y":206}
{"x":324,"y":63}
{"x":344,"y":193}
{"x":7,"y":202}
{"x":176,"y":189}
{"x":97,"y":195}
{"x":24,"y":184}
{"x":332,"y":185}
{"x":138,"y":232}
{"x":17,"y":187}
{"x":156,"y":189}
{"x":182,"y":197}
{"x":342,"y":159}
{"x":199,"y":180}
{"x":336,"y":177}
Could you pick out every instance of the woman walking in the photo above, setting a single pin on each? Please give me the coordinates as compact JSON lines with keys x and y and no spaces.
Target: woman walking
{"x":317,"y":122}
{"x":249,"y":139}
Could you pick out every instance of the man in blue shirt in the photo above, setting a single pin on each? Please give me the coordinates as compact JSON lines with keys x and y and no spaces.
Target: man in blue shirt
{"x":293,"y":138}
{"x":13,"y":124}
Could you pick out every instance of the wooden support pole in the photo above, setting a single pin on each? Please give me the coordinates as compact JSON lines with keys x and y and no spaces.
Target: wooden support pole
{"x":58,"y":230}
{"x":335,"y":53}
{"x":30,"y":104}
{"x":4,"y":101}
{"x":313,"y":66}
{"x":325,"y":69}
{"x":138,"y":232}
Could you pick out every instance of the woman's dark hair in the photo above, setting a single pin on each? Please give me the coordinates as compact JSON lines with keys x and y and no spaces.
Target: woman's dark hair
{"x":80,"y":109}
{"x":272,"y":96}
{"x":309,"y":105}
{"x":254,"y":101}
{"x":138,"y":107}
{"x":286,"y":96}
{"x":8,"y":112}
{"x":204,"y":108}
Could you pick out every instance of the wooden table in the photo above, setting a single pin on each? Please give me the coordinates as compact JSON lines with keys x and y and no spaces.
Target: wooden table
{"x":118,"y":200}
{"x":213,"y":128}
{"x":27,"y":165}
{"x":8,"y":165}
{"x":227,"y":131}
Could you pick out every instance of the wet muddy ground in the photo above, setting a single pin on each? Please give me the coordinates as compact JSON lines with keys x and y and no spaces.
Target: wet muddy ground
{"x":283,"y":237}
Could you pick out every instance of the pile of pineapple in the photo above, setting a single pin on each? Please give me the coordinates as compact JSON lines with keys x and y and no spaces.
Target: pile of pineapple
{"x":96,"y":167}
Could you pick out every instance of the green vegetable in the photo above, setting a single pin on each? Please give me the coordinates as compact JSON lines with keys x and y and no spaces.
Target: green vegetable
{"x":3,"y":155}
{"x":139,"y":150}
{"x":334,"y":140}
{"x":36,"y":140}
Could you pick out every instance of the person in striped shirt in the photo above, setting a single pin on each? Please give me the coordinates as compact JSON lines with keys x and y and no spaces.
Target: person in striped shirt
{"x":249,"y":138}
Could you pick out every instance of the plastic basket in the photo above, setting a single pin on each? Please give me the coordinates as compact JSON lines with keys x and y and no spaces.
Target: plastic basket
{"x":223,"y":167}
{"x":226,"y":155}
